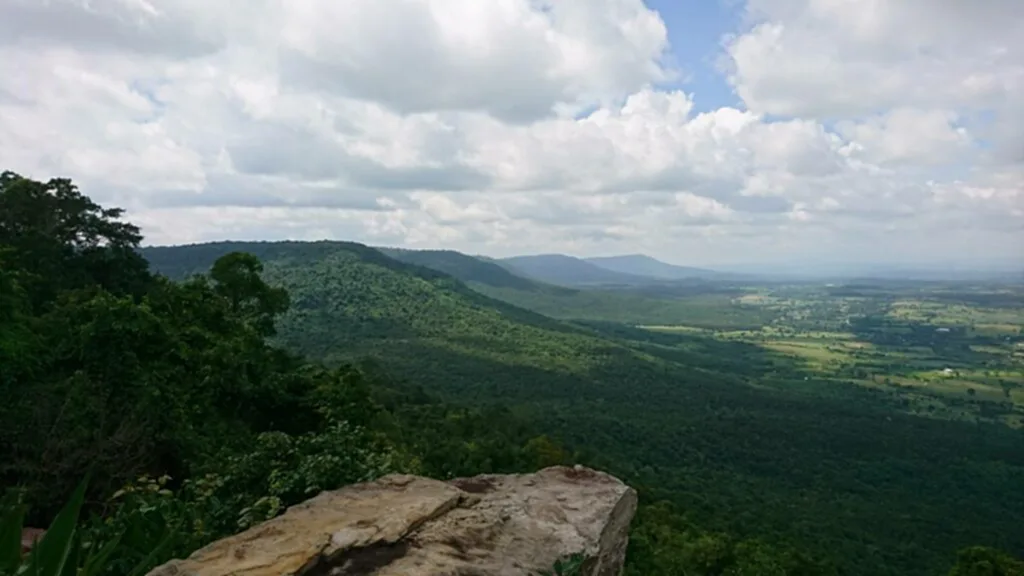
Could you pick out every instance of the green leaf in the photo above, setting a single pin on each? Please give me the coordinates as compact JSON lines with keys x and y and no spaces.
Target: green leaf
{"x":51,"y":554}
{"x":153,"y":555}
{"x":96,"y":562}
{"x":10,"y":537}
{"x":70,"y":567}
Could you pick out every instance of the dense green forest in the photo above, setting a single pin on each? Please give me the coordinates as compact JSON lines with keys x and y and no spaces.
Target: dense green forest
{"x":714,"y":427}
{"x":233,"y":380}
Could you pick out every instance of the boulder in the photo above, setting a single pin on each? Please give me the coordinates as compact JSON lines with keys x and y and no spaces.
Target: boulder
{"x":500,"y":525}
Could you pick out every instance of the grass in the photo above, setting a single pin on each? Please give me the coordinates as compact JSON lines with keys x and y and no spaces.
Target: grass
{"x":817,"y":354}
{"x":710,"y":311}
{"x":955,"y":387}
{"x":994,"y":350}
{"x":676,"y":329}
{"x":996,"y":329}
{"x":1007,"y":320}
{"x":987,"y":382}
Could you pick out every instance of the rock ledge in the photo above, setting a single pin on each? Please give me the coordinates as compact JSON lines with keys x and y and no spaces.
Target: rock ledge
{"x":490,"y":525}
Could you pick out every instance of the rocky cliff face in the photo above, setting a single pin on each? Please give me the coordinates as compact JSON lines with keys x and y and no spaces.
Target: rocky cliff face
{"x":493,"y":525}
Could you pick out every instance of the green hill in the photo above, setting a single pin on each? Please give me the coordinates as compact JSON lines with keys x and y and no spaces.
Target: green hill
{"x":473,"y":270}
{"x":569,"y":271}
{"x":699,"y":305}
{"x":350,"y":301}
{"x":711,"y":426}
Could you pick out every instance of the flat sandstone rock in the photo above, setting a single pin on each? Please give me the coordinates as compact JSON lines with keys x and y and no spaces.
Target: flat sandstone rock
{"x":491,"y":525}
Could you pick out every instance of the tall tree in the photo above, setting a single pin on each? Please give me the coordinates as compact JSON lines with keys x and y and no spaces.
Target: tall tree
{"x":61,"y":239}
{"x":237,"y":278}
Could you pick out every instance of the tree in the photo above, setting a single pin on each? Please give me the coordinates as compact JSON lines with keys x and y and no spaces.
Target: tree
{"x":982,"y":561}
{"x":15,"y":334}
{"x":542,"y":452}
{"x":60,"y":239}
{"x":237,"y":278}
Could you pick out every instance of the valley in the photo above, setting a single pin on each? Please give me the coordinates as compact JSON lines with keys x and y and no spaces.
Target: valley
{"x":512,"y":288}
{"x":942,"y":350}
{"x":954,"y":352}
{"x":857,"y":427}
{"x":804,"y":416}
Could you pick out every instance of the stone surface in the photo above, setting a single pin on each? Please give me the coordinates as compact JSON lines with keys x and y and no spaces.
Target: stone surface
{"x":29,"y":537}
{"x":492,"y":525}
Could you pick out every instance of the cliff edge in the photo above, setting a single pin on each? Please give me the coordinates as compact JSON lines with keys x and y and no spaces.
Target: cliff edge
{"x":490,"y":525}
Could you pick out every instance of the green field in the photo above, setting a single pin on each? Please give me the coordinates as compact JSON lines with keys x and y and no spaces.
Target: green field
{"x":712,"y":310}
{"x":936,"y":358}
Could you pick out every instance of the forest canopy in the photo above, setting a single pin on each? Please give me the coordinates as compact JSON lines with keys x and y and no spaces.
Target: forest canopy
{"x":189,"y":407}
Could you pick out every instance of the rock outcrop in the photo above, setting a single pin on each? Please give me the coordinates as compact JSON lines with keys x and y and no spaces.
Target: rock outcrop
{"x":492,"y":525}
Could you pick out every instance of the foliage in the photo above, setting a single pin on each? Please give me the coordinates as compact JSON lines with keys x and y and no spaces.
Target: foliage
{"x":57,"y":238}
{"x":753,"y":447}
{"x":664,"y":541}
{"x":194,"y":425}
{"x":237,"y":279}
{"x":281,"y":470}
{"x":189,"y":400}
{"x":981,"y":561}
{"x":66,"y":549}
{"x":147,"y":523}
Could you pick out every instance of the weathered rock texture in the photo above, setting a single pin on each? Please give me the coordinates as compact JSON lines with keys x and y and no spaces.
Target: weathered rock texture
{"x":500,"y":525}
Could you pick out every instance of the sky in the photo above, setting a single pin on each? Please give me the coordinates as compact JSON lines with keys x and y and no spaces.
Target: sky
{"x":700,"y":132}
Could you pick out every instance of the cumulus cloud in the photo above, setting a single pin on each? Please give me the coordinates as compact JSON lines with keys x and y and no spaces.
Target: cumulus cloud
{"x":510,"y":58}
{"x":867,"y":127}
{"x":908,"y":135}
{"x":836,"y":58}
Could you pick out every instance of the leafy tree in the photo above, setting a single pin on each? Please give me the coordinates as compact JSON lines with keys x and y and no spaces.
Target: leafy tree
{"x":236,"y":277}
{"x":982,"y":561}
{"x":60,"y":239}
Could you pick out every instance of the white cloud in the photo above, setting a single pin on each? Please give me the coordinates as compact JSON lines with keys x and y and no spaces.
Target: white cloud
{"x":512,"y":58}
{"x":908,"y":135}
{"x":511,"y":126}
{"x":852,"y":57}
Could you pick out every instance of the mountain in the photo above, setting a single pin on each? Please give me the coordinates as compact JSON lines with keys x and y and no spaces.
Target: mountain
{"x":642,"y":265}
{"x":352,"y":302}
{"x":748,"y":460}
{"x":699,"y":305}
{"x":470,"y":269}
{"x":569,"y":271}
{"x":727,"y":432}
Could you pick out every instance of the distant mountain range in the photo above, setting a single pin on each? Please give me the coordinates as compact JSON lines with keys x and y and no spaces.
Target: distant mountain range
{"x":569,"y":271}
{"x":643,"y":265}
{"x":467,"y":268}
{"x":631,"y":270}
{"x":639,"y":270}
{"x":612,"y":297}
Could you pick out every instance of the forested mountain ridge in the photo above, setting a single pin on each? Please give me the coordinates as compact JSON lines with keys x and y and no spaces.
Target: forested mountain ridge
{"x":716,"y":307}
{"x":198,"y":417}
{"x":472,"y":270}
{"x":379,"y":301}
{"x":704,"y":425}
